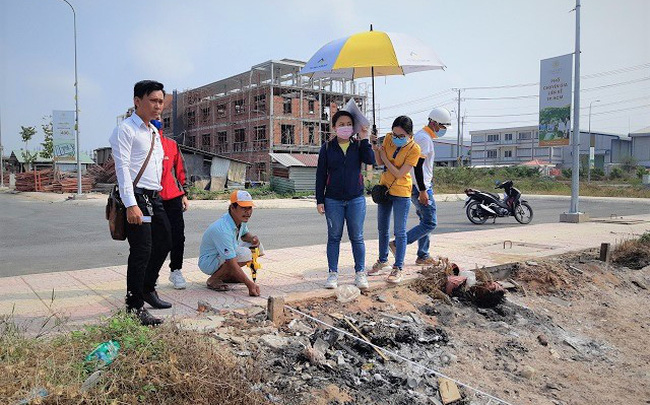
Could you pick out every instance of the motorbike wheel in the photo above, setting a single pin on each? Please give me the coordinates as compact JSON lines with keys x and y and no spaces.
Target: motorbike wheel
{"x":475,"y":214}
{"x":523,"y":213}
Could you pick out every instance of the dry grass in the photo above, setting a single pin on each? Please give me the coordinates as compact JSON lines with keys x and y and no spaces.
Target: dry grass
{"x":634,"y":253}
{"x":155,"y":366}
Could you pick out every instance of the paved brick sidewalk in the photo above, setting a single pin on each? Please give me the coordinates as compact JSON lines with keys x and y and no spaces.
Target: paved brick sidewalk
{"x":85,"y":295}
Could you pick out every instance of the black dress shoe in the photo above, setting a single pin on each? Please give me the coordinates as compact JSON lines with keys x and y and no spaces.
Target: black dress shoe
{"x":145,"y":317}
{"x":152,"y":299}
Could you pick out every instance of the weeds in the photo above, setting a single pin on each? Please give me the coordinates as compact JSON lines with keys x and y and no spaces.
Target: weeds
{"x":633,"y":253}
{"x":164,"y":365}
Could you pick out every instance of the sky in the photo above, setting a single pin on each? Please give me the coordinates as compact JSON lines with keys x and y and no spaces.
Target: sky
{"x":191,"y":43}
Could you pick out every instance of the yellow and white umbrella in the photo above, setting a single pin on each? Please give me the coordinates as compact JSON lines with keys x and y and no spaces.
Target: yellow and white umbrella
{"x":370,"y":54}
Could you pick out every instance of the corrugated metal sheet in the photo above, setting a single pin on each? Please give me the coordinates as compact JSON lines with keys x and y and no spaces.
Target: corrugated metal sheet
{"x":282,"y":186}
{"x":219,"y":167}
{"x":237,"y":172}
{"x":304,"y":178}
{"x":295,"y":159}
{"x":309,"y":160}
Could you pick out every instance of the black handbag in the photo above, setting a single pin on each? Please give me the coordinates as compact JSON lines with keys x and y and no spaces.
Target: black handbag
{"x":379,"y":194}
{"x":115,"y":209}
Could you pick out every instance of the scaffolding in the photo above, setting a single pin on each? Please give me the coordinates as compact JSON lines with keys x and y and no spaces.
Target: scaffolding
{"x":270,"y":108}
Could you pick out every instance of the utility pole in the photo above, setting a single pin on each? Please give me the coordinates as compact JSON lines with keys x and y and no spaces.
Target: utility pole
{"x":458,"y":131}
{"x":592,"y":143}
{"x":462,"y":141}
{"x":76,"y":101}
{"x":2,"y":166}
{"x":574,"y":215}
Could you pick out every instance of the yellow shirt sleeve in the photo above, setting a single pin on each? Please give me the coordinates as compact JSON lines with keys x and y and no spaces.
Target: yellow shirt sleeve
{"x":413,"y":155}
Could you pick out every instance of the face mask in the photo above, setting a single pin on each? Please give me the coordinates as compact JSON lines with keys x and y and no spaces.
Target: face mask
{"x":399,"y":142}
{"x":344,"y":132}
{"x":441,"y":132}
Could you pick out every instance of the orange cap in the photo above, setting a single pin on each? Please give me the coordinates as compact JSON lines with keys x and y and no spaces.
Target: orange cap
{"x":241,"y":197}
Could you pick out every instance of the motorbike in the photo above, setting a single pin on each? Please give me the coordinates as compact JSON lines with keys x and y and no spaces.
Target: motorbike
{"x":481,"y":205}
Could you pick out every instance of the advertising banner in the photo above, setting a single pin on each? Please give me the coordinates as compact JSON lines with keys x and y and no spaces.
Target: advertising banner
{"x":555,"y":100}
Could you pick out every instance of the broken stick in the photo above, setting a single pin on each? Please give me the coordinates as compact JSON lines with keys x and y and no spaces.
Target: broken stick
{"x":366,"y":339}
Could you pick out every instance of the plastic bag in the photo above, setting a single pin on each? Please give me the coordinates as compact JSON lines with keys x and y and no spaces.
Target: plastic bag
{"x":347,"y":293}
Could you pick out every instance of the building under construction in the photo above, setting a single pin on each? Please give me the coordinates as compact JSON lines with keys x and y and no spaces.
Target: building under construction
{"x":270,"y":108}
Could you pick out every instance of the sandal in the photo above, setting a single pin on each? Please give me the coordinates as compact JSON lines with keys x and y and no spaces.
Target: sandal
{"x":218,"y":287}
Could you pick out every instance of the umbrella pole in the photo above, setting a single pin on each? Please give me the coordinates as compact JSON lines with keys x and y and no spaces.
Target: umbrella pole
{"x":374,"y":124}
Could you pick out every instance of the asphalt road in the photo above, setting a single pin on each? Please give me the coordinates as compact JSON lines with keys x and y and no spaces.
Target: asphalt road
{"x":42,"y":237}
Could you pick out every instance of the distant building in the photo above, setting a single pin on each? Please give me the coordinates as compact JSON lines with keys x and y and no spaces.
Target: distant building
{"x":446,"y":152}
{"x":18,"y":164}
{"x":519,"y":145}
{"x":268,"y":109}
{"x":641,"y":146}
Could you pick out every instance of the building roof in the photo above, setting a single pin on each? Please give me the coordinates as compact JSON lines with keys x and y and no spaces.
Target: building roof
{"x":641,"y":132}
{"x":295,"y":159}
{"x":85,"y":159}
{"x":189,"y":149}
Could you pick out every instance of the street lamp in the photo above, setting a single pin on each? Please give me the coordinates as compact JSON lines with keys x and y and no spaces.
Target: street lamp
{"x":76,"y":100}
{"x":592,"y":144}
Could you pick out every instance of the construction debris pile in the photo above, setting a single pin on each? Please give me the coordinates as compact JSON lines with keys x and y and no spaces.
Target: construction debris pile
{"x":104,"y":173}
{"x":545,"y":342}
{"x":49,"y":181}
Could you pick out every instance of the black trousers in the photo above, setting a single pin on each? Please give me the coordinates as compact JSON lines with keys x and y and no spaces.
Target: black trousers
{"x":174,"y":211}
{"x":149,"y":244}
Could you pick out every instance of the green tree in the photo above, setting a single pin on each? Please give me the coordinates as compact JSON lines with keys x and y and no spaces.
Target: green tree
{"x":48,"y":143}
{"x":26,"y":134}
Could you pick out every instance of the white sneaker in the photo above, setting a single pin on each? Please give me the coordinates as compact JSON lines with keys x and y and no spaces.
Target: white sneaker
{"x":332,"y":280}
{"x":177,"y":279}
{"x":361,"y":280}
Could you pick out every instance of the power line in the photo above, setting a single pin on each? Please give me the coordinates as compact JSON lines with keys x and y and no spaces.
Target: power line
{"x":591,"y":76}
{"x":418,"y":100}
{"x":584,"y":108}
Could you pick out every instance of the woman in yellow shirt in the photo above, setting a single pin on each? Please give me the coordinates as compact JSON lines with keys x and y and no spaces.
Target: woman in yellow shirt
{"x":398,"y":153}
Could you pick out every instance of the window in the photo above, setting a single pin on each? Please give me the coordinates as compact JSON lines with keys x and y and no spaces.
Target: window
{"x":191,"y":141}
{"x":507,"y":137}
{"x":507,"y":153}
{"x":166,"y":122}
{"x":205,"y":141}
{"x":240,"y":140}
{"x":239,"y":106}
{"x":221,"y":110}
{"x":205,"y":114}
{"x":493,"y":138}
{"x":311,"y":130}
{"x":310,"y":106}
{"x":286,"y":106}
{"x":260,"y":141}
{"x":287,"y":134}
{"x":524,"y":136}
{"x":492,"y":154}
{"x":191,"y":118}
{"x":259,"y":103}
{"x":222,"y":142}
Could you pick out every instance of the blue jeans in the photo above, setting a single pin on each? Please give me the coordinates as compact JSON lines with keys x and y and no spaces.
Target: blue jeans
{"x":337,"y":212}
{"x":400,"y":207}
{"x":428,"y":222}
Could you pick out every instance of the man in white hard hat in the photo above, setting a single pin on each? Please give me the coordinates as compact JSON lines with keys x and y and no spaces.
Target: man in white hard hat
{"x":422,"y":191}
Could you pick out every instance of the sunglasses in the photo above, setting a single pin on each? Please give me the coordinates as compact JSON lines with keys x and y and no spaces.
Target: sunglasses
{"x":399,"y":136}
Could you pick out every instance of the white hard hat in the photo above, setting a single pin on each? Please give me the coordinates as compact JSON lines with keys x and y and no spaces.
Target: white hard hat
{"x":441,"y":115}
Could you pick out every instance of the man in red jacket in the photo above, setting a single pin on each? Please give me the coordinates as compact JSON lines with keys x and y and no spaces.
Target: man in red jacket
{"x":174,"y":196}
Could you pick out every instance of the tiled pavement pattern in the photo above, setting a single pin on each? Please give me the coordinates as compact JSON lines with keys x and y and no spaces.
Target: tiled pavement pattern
{"x":85,"y":295}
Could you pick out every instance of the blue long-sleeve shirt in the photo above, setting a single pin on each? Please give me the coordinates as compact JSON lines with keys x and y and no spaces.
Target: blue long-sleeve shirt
{"x":338,"y":175}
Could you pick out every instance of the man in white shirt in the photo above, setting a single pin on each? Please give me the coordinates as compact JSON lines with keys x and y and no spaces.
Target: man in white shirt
{"x":422,"y":192}
{"x":148,"y":230}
